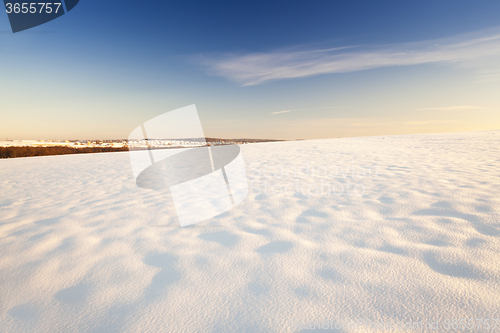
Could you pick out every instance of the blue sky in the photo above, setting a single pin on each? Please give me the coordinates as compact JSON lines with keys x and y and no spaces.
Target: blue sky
{"x":256,"y":69}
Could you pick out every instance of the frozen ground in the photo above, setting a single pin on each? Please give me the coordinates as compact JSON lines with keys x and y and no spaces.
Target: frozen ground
{"x":410,"y":232}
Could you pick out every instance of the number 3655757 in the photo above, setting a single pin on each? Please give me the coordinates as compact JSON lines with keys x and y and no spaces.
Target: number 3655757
{"x":33,"y":8}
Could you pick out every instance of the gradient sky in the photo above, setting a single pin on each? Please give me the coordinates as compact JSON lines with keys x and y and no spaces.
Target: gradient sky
{"x":254,"y":69}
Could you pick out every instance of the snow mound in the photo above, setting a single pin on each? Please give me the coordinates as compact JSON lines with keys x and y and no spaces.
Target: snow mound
{"x":395,"y":229}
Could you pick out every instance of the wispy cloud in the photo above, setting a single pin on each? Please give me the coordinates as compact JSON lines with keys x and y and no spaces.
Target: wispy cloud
{"x":488,"y":76}
{"x":255,"y":68}
{"x":308,"y":109}
{"x":452,"y":108}
{"x":280,"y":112}
{"x":416,"y":122}
{"x":431,"y":122}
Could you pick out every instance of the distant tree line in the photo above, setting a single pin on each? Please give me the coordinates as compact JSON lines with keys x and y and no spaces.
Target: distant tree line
{"x":12,"y":152}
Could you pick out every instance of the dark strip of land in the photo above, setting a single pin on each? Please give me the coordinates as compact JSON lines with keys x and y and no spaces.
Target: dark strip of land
{"x":29,"y":151}
{"x":12,"y":152}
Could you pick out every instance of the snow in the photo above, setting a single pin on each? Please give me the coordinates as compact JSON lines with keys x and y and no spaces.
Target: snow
{"x":408,"y":233}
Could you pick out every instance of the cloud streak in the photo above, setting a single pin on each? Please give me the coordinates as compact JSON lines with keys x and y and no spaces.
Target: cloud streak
{"x":256,"y":68}
{"x":308,"y":109}
{"x":452,"y":108}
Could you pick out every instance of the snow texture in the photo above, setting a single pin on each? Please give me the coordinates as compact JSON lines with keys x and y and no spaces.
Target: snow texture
{"x":393,"y":229}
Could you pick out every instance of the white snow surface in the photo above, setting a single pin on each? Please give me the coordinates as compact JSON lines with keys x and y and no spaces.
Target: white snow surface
{"x":416,"y":238}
